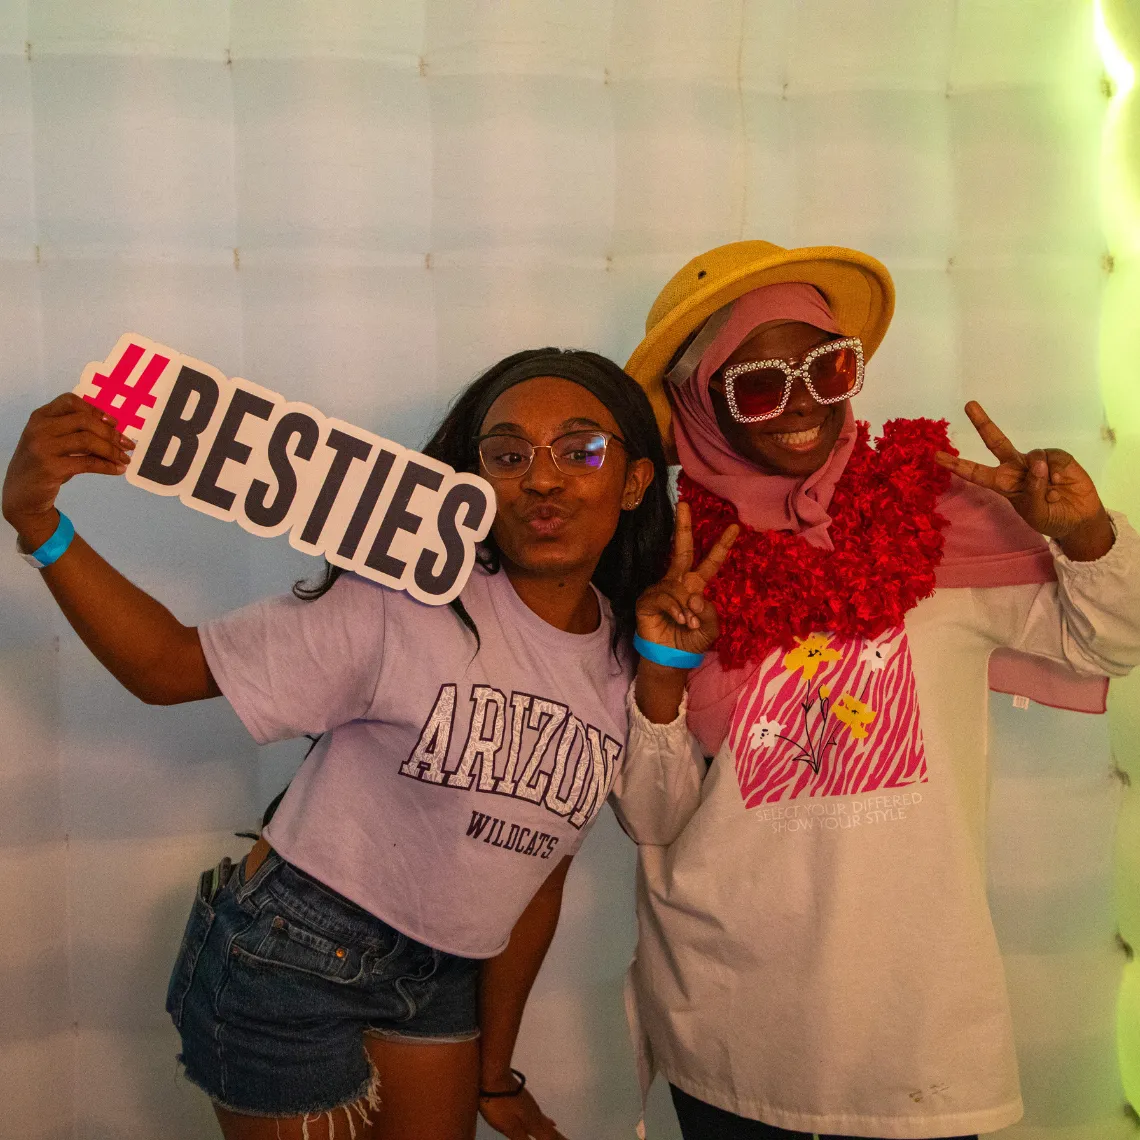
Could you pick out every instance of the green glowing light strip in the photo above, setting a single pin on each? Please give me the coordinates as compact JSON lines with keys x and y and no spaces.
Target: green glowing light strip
{"x":1122,"y":401}
{"x":1121,"y":73}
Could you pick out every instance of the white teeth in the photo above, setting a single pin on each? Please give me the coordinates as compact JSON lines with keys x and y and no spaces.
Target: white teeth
{"x":797,"y":438}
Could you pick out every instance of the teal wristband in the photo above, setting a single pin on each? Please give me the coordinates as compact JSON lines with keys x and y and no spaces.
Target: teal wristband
{"x":666,"y":654}
{"x":53,"y":549}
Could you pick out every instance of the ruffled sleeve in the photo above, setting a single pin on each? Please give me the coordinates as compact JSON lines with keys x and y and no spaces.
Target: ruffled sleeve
{"x":1090,"y":619}
{"x":658,"y":787}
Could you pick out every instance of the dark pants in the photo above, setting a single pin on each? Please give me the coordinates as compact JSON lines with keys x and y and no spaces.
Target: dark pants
{"x":700,"y":1121}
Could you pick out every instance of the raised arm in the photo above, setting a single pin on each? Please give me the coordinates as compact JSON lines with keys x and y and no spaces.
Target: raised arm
{"x":136,"y":638}
{"x":658,"y":785}
{"x":1089,"y":619}
{"x":675,"y":614}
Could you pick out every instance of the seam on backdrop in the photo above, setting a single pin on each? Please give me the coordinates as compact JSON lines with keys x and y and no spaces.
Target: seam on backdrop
{"x":743,"y":122}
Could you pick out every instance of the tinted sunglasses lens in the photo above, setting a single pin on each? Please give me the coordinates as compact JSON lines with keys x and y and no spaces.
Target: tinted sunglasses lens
{"x":834,"y":374}
{"x":759,"y":393}
{"x":505,"y":456}
{"x":579,"y":452}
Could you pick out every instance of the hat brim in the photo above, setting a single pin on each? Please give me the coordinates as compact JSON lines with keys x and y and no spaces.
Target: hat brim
{"x":857,"y":287}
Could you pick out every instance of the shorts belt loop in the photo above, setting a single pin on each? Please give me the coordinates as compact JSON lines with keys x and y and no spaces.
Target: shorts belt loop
{"x":255,"y":867}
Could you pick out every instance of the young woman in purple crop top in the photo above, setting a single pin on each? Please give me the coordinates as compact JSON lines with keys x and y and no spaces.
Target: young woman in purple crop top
{"x":363,"y":971}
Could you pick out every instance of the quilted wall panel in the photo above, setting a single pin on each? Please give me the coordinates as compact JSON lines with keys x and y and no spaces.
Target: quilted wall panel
{"x":362,"y":205}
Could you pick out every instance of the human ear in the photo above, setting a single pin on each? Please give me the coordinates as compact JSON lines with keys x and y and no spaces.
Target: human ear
{"x":638,"y":476}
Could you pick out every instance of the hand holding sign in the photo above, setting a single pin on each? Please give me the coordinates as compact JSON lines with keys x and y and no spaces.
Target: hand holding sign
{"x":236,"y":451}
{"x":62,"y":439}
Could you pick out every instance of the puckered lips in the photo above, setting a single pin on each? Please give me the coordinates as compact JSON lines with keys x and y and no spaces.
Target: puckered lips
{"x":545,"y":519}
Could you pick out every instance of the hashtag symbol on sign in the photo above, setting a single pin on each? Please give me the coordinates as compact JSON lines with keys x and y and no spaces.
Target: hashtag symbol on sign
{"x":121,"y":400}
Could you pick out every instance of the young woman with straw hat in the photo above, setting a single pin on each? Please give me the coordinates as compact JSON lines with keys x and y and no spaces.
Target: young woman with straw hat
{"x":816,"y":954}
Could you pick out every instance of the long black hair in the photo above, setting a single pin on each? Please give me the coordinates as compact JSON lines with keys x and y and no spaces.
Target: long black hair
{"x":637,"y":554}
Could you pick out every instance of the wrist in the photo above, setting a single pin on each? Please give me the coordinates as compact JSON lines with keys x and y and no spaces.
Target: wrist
{"x":659,"y":691}
{"x":1091,"y":540}
{"x":496,"y":1074}
{"x":661,"y":674}
{"x":33,"y":532}
{"x":505,"y":1085}
{"x":666,"y":656}
{"x":501,"y":1085}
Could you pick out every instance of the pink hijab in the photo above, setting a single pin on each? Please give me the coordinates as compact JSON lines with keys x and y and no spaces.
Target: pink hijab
{"x":987,"y":542}
{"x":763,"y":501}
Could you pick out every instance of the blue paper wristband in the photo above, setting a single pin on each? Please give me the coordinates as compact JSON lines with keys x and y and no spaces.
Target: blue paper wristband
{"x":666,"y":654}
{"x":53,"y":549}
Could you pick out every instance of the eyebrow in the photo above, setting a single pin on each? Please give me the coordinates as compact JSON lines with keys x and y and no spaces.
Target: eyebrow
{"x":572,"y":424}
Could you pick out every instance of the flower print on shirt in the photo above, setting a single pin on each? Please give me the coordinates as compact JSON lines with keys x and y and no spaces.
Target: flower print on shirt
{"x":855,"y":714}
{"x":876,"y":653}
{"x":811,"y":652}
{"x":764,"y":733}
{"x":830,"y":717}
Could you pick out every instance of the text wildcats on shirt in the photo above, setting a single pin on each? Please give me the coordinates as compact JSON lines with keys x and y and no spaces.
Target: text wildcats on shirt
{"x":574,"y":785}
{"x":524,"y":840}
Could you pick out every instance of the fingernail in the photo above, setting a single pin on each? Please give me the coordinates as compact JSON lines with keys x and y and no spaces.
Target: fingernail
{"x":1040,"y":468}
{"x":120,"y":468}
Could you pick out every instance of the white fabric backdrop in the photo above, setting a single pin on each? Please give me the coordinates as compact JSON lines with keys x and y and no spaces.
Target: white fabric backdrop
{"x":361,"y":205}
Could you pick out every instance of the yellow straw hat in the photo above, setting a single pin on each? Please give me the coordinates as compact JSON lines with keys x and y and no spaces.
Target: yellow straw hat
{"x":858,"y":290}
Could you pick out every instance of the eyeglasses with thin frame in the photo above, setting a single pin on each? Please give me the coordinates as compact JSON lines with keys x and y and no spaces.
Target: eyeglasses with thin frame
{"x":575,"y":453}
{"x":758,"y":390}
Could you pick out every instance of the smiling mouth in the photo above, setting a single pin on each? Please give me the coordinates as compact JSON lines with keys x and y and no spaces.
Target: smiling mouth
{"x":798,"y":440}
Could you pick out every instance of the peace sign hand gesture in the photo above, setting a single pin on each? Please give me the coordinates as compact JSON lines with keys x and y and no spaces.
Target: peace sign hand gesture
{"x":1046,"y":486}
{"x":674,"y":611}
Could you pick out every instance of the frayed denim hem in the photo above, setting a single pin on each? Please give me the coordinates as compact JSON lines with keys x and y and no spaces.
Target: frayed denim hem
{"x":362,"y":1104}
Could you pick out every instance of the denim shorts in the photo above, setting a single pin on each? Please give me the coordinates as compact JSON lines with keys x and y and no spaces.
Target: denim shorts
{"x":278,"y":981}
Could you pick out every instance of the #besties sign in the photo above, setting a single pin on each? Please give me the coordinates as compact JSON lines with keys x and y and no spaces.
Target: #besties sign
{"x":237,"y":451}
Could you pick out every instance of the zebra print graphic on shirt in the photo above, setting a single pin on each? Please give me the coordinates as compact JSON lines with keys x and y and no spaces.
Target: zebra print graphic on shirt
{"x":831,"y":717}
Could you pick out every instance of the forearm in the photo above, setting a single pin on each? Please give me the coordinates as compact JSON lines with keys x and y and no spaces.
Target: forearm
{"x":140,"y":642}
{"x":659,"y":690}
{"x":506,"y":981}
{"x":155,"y":656}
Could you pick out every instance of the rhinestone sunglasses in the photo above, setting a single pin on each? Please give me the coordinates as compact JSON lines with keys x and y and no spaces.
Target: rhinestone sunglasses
{"x":759,"y":389}
{"x":575,"y":453}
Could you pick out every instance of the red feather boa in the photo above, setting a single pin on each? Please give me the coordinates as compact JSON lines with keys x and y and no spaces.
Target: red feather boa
{"x":887,"y":533}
